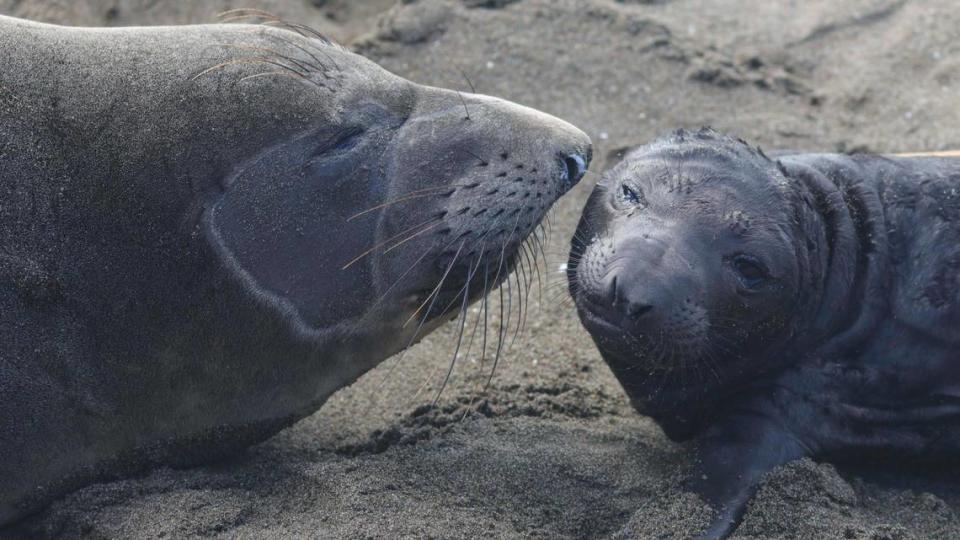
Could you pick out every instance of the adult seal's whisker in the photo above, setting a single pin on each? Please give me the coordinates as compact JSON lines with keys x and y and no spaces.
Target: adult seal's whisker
{"x":247,"y":60}
{"x":307,"y":67}
{"x":420,"y":227}
{"x":247,"y":12}
{"x":463,"y":320}
{"x":432,"y":297}
{"x":429,"y":192}
{"x":288,"y":74}
{"x":411,"y":237}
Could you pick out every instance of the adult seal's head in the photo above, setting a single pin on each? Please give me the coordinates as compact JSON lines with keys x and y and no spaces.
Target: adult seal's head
{"x":691,"y":262}
{"x":207,"y":230}
{"x":392,"y":196}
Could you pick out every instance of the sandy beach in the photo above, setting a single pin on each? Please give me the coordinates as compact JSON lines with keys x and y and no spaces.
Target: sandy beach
{"x":552,"y":449}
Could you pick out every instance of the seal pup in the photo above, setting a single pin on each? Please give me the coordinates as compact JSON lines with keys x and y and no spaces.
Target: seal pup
{"x":771,"y":309}
{"x":207,"y":230}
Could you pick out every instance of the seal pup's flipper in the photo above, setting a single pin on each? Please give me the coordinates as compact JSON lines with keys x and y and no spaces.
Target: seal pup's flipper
{"x":732,"y":456}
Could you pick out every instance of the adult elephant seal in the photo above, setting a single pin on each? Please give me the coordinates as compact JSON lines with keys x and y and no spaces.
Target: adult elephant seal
{"x":207,"y":230}
{"x":775,"y":309}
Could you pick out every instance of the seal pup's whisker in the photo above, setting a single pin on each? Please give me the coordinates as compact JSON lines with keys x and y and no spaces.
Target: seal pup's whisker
{"x":713,"y":364}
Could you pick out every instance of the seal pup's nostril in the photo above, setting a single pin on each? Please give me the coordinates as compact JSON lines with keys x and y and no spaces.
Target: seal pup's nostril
{"x":576,"y":167}
{"x":636,"y":311}
{"x":612,"y":291}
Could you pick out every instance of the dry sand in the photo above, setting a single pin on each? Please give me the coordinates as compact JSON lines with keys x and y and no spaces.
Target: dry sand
{"x":552,"y":450}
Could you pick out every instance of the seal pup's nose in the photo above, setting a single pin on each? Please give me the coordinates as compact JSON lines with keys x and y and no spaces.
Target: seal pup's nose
{"x":575,"y":166}
{"x":636,"y":310}
{"x":627,"y":302}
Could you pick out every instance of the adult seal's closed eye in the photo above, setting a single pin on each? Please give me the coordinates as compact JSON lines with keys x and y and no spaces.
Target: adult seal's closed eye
{"x":207,"y":230}
{"x":772,"y":309}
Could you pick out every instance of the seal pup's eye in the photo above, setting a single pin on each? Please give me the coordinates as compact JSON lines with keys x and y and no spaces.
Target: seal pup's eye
{"x":751,"y":272}
{"x":629,"y":194}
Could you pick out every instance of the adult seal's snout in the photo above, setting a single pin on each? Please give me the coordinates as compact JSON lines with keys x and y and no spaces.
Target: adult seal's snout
{"x":575,"y":167}
{"x":775,"y":309}
{"x":207,"y":230}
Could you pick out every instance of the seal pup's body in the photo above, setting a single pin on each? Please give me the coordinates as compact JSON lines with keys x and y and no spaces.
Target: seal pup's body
{"x":207,"y":230}
{"x":775,"y":309}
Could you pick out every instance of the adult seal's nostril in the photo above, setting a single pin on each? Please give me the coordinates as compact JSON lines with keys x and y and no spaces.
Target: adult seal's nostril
{"x":574,"y":167}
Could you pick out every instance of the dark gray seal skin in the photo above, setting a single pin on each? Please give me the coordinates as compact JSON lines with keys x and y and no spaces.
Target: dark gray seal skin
{"x":207,"y":230}
{"x":770,"y":309}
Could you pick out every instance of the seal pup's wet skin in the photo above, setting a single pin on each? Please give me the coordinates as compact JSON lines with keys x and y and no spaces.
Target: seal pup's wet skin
{"x":775,"y":309}
{"x":207,"y":230}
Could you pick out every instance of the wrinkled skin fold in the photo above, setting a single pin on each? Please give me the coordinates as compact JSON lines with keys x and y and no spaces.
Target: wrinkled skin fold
{"x":771,"y":309}
{"x":207,"y":230}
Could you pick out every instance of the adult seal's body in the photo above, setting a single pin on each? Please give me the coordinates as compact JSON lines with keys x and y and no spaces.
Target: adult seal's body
{"x":205,"y":231}
{"x":774,"y":309}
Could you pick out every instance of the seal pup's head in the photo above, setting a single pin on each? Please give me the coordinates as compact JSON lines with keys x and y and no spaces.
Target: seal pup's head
{"x":686,"y":270}
{"x":398,"y":202}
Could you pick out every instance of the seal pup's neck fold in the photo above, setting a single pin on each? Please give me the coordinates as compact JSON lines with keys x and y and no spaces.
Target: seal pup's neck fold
{"x":855,"y":266}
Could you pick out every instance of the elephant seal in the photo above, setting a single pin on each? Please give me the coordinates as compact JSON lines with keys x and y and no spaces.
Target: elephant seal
{"x":770,"y":309}
{"x":207,"y":230}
